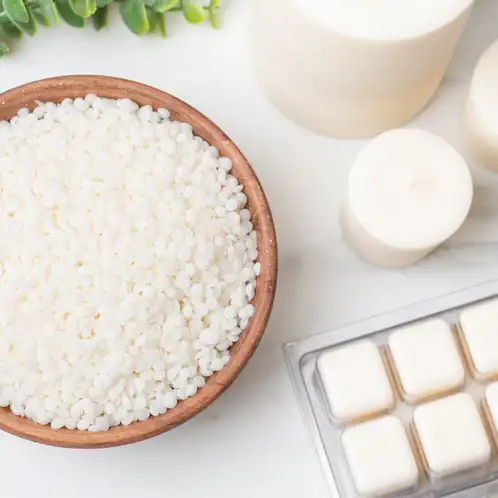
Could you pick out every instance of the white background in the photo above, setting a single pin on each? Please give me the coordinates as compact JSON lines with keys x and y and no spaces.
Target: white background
{"x":252,"y":442}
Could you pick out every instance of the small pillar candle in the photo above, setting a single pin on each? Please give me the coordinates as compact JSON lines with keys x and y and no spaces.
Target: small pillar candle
{"x":481,"y":116}
{"x":353,"y":68}
{"x":408,"y":191}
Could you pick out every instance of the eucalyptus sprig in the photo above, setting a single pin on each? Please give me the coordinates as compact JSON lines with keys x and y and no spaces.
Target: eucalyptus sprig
{"x":18,"y":17}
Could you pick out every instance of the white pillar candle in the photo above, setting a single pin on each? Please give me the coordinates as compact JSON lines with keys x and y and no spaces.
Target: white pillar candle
{"x":408,"y":191}
{"x":353,"y":68}
{"x":481,"y":117}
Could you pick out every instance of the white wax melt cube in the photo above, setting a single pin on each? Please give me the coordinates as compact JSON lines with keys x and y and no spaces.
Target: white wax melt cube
{"x":355,"y":381}
{"x":451,"y":435}
{"x":380,"y":457}
{"x":479,"y":328}
{"x":426,"y":359}
{"x":492,"y":406}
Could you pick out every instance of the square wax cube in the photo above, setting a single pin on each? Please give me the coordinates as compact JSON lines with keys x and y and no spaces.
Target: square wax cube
{"x":355,"y":381}
{"x":451,"y":435}
{"x":479,"y":330}
{"x":380,"y":457}
{"x":426,"y":359}
{"x":491,"y":404}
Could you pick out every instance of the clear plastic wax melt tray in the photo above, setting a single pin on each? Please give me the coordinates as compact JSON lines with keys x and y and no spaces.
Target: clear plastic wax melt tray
{"x":405,"y":404}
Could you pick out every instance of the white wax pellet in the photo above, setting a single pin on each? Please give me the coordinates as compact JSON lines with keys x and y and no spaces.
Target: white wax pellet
{"x":408,"y":191}
{"x":426,"y":359}
{"x":451,"y":435}
{"x":380,"y":457}
{"x":479,"y":328}
{"x":481,"y":117}
{"x":364,"y":66}
{"x":355,"y":381}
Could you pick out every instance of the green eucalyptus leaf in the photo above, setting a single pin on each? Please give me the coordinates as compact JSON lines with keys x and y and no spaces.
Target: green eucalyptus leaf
{"x":69,"y":16}
{"x":43,"y":11}
{"x":213,"y":19}
{"x":193,"y":12}
{"x":214,"y":5}
{"x":27,"y":27}
{"x":151,"y":19}
{"x":83,"y":8}
{"x":4,"y":49}
{"x":50,"y":5}
{"x":8,"y":27}
{"x":99,"y":19}
{"x":135,"y":17}
{"x":161,"y":25}
{"x":16,"y":10}
{"x":165,"y":5}
{"x":156,"y":22}
{"x":41,"y":18}
{"x":103,"y":3}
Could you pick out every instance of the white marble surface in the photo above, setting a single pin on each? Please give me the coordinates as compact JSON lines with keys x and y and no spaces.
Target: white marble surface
{"x":252,"y":442}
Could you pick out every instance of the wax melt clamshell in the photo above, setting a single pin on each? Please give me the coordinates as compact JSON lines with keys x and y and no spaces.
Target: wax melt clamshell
{"x":398,"y":405}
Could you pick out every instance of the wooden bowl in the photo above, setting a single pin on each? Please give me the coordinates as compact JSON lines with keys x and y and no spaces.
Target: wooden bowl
{"x":55,"y":90}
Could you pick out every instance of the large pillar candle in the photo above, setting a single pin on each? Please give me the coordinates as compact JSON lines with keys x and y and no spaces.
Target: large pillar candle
{"x":408,"y":191}
{"x":353,"y":68}
{"x":481,"y":116}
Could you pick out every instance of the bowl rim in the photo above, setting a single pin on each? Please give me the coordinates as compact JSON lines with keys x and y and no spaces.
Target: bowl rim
{"x":105,"y":86}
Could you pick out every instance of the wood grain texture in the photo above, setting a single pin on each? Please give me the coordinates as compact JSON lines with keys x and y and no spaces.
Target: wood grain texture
{"x":55,"y":90}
